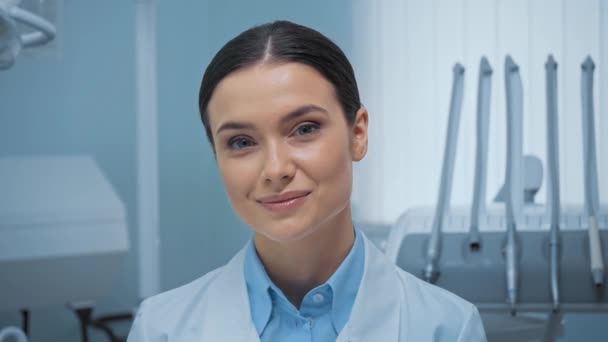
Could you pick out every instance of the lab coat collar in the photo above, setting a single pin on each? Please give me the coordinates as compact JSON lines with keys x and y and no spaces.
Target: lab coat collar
{"x":232,"y":312}
{"x":375,"y":315}
{"x":259,"y":286}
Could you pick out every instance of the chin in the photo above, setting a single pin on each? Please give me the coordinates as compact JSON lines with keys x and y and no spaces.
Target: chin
{"x":286,"y":232}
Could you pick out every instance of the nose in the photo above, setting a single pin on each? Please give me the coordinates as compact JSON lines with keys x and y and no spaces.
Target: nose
{"x":278,"y":169}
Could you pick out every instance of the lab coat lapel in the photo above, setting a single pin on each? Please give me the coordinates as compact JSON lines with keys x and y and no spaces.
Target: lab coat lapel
{"x":376,"y":313}
{"x":228,"y":306}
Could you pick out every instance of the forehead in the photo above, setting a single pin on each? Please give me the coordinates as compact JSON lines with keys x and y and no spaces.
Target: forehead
{"x":264,"y":91}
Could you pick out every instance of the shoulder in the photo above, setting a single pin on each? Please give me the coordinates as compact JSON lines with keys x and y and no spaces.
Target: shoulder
{"x":200,"y":310}
{"x":433,"y":297}
{"x":446,"y":313}
{"x":414,"y":309}
{"x":412,"y":290}
{"x":176,"y":299}
{"x":159,"y":316}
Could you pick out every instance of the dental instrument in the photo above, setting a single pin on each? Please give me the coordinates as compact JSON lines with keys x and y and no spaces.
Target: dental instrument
{"x":12,"y":334}
{"x":481,"y":153}
{"x":431,"y":270}
{"x":590,"y":178}
{"x":553,"y":189}
{"x":514,"y":193}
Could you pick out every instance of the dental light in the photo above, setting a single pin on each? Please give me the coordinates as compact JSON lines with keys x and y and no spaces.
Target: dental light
{"x":11,"y":40}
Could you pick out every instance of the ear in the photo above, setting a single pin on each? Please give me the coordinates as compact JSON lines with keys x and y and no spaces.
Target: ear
{"x":358,"y":135}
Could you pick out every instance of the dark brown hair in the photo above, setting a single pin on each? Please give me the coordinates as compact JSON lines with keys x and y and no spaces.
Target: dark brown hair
{"x":276,"y":42}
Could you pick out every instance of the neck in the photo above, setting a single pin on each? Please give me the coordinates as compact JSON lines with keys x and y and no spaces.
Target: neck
{"x":299,"y":266}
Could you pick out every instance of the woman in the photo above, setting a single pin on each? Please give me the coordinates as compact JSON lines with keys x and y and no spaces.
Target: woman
{"x":281,"y":110}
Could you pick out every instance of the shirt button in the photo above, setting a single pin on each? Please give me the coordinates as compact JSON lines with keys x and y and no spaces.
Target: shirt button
{"x":309,"y":322}
{"x":318,"y":298}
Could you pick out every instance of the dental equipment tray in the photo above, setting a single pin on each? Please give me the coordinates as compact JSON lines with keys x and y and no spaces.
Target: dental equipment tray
{"x":479,"y":276}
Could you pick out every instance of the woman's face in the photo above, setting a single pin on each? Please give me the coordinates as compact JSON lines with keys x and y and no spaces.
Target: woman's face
{"x":284,"y":148}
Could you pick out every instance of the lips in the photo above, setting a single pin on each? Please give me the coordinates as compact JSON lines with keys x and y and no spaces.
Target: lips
{"x":286,"y":196}
{"x":284,"y":202}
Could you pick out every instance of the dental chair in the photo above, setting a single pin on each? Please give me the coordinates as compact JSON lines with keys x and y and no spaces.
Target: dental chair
{"x":63,"y":236}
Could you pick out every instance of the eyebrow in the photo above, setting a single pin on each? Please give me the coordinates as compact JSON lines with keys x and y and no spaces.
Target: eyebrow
{"x":303,"y":110}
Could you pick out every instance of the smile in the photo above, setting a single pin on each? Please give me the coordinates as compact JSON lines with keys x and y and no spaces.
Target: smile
{"x":285,"y":202}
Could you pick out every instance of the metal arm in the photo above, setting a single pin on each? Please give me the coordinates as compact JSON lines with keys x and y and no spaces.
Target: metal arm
{"x":44,"y":30}
{"x":590,"y":164}
{"x":514,"y":200}
{"x":12,"y":40}
{"x":553,"y":191}
{"x":481,"y":153}
{"x":431,"y":271}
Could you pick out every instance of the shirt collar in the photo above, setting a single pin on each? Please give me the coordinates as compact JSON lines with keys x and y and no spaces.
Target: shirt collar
{"x":344,"y":285}
{"x":258,"y":285}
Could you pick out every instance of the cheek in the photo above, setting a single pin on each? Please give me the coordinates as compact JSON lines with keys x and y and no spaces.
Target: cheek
{"x":338,"y":169}
{"x":238,"y":178}
{"x":329,"y":164}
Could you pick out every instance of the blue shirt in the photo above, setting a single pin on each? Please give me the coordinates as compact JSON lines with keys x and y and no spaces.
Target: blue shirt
{"x":324,"y":310}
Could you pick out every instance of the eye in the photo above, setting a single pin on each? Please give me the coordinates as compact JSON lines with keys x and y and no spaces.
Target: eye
{"x":239,"y":143}
{"x":307,"y":128}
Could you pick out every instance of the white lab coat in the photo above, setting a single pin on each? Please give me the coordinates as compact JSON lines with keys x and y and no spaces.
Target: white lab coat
{"x":391,"y":305}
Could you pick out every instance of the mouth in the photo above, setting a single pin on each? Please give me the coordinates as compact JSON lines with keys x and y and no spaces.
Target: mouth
{"x":284,"y":202}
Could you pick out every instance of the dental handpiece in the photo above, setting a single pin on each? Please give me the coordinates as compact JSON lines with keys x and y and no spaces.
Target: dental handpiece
{"x":514,"y":186}
{"x":431,"y":270}
{"x":553,"y":188}
{"x":590,"y":178}
{"x":511,"y":267}
{"x":481,"y":153}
